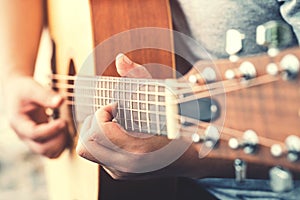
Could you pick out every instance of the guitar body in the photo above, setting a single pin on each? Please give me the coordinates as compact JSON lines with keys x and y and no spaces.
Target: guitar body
{"x":76,"y":28}
{"x":80,"y":28}
{"x":70,"y":176}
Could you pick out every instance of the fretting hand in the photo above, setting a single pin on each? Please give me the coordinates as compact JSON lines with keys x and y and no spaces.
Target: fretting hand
{"x":128,"y":155}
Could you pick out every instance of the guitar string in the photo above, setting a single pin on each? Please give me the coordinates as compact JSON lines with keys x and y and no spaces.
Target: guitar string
{"x":248,"y":85}
{"x":259,"y":81}
{"x":230,"y":88}
{"x":197,"y":93}
{"x":182,"y":87}
{"x":227,"y":131}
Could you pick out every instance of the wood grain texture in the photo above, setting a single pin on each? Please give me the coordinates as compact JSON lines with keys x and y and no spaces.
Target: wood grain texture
{"x":111,"y":18}
{"x":270,"y":109}
{"x":71,"y":32}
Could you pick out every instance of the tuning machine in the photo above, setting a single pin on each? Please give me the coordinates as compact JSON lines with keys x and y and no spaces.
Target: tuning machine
{"x":246,"y":71}
{"x":210,"y":138}
{"x":292,"y":143}
{"x":291,"y":149}
{"x":281,"y":180}
{"x":234,"y":44}
{"x":274,"y":35}
{"x":249,"y":142}
{"x":208,"y":75}
{"x":240,"y":169}
{"x":289,"y":67}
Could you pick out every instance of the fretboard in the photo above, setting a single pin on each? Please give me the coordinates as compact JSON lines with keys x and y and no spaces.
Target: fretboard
{"x":141,"y":103}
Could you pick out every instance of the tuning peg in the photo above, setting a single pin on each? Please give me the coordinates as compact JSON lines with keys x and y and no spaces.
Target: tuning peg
{"x":292,"y":143}
{"x":234,"y":43}
{"x":281,"y":179}
{"x":249,"y":142}
{"x":240,"y":169}
{"x":210,"y":138}
{"x":274,"y":35}
{"x":208,"y":75}
{"x":289,"y":67}
{"x":246,"y":71}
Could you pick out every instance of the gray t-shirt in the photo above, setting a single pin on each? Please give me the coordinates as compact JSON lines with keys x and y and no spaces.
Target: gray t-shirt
{"x":207,"y":21}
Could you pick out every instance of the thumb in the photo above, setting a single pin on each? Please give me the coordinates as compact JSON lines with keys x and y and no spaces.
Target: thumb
{"x":43,"y":96}
{"x":126,"y":67}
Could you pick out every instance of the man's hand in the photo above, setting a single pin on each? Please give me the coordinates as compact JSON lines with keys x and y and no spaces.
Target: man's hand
{"x":127,"y":155}
{"x":26,"y":102}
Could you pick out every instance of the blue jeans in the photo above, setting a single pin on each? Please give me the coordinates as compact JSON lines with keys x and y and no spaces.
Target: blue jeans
{"x":250,"y":189}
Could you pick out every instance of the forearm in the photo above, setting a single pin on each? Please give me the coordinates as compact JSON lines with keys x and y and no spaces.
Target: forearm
{"x":21,"y":23}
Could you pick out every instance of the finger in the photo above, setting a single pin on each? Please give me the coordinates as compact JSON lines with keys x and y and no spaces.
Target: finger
{"x":52,"y":148}
{"x":42,"y":96}
{"x":106,"y":113}
{"x":86,"y":125}
{"x":82,"y":151}
{"x":95,"y":152}
{"x":119,"y":175}
{"x":126,"y":67}
{"x":26,"y":128}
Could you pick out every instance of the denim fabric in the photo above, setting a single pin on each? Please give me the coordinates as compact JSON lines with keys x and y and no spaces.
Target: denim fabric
{"x":250,"y":189}
{"x":207,"y":26}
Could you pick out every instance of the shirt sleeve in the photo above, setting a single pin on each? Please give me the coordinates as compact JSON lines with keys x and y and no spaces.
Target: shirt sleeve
{"x":290,"y":11}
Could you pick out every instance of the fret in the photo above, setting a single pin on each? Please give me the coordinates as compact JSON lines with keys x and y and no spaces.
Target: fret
{"x":144,"y":129}
{"x":138,"y":108}
{"x":131,"y":106}
{"x":147,"y":109}
{"x":123,"y":98}
{"x":102,"y":93}
{"x":98,"y":86}
{"x":106,"y":93}
{"x":157,"y":111}
{"x":141,"y":103}
{"x":121,"y":111}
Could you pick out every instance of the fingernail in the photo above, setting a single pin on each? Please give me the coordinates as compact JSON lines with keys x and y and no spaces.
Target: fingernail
{"x":127,"y":60}
{"x":124,"y":58}
{"x":119,"y":56}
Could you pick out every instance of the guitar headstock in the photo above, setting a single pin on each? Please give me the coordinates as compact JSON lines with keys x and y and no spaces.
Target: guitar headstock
{"x":259,"y":109}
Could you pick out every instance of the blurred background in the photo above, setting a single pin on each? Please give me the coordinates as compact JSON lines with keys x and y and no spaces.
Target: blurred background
{"x":21,"y":171}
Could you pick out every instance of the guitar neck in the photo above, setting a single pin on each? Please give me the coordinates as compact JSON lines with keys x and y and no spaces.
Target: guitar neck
{"x":141,"y":103}
{"x":152,"y":106}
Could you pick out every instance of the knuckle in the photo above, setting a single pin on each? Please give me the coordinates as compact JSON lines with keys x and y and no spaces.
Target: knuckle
{"x":81,"y":151}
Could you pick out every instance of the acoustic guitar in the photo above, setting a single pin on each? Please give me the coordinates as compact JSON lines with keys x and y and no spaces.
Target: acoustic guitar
{"x":76,"y":28}
{"x":247,"y":109}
